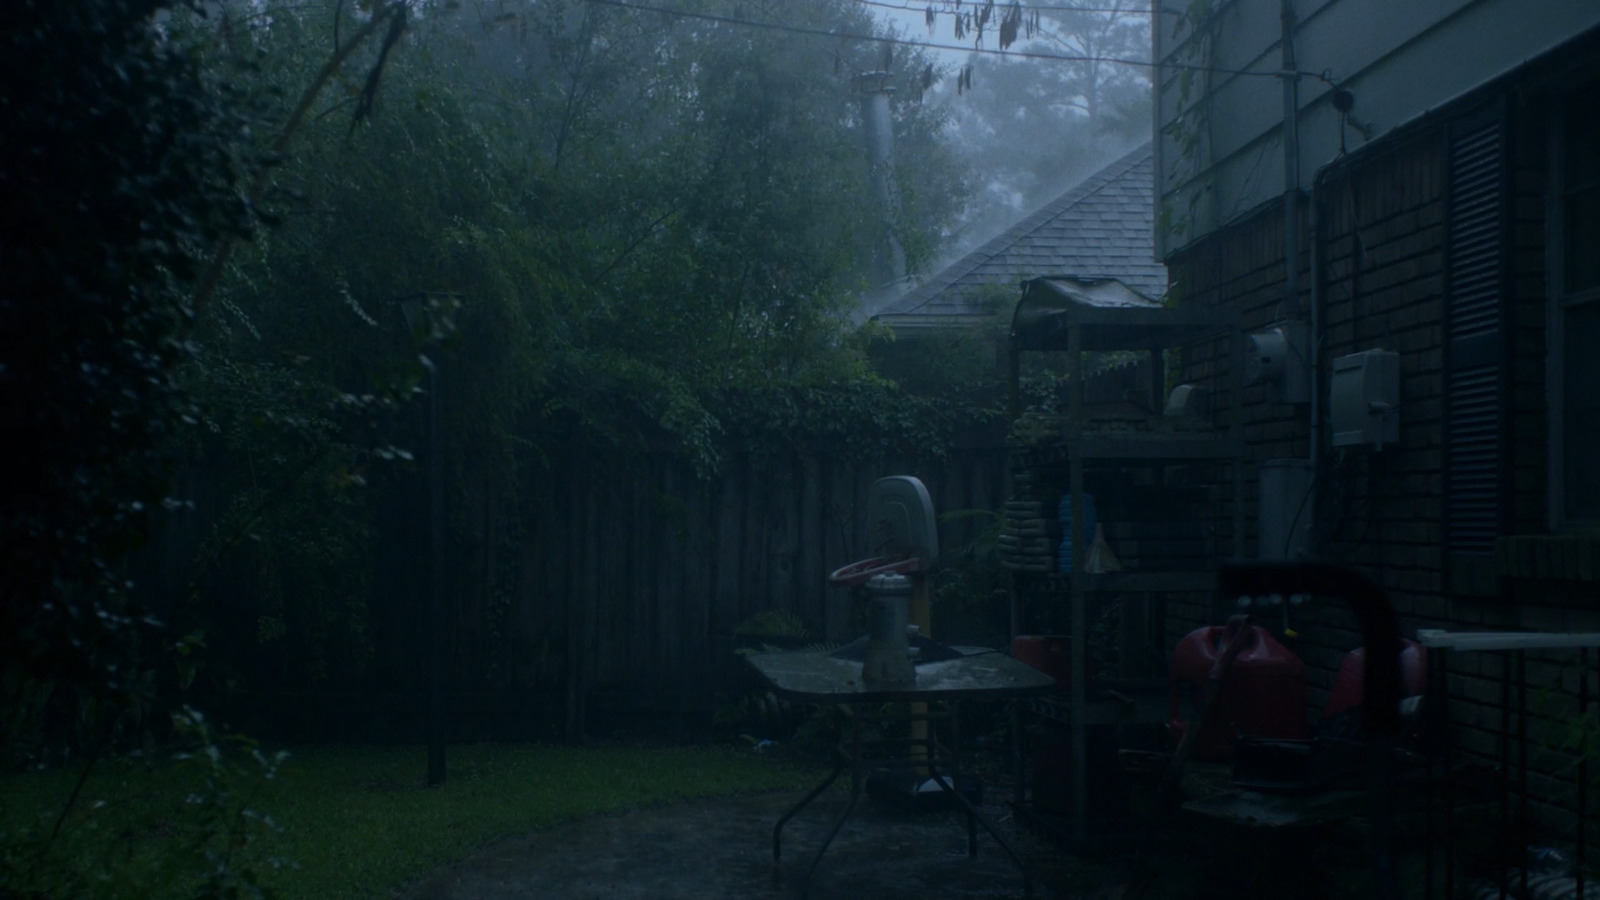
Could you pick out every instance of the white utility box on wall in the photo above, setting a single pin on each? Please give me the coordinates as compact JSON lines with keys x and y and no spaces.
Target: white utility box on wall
{"x":1280,"y":358}
{"x":1364,"y":399}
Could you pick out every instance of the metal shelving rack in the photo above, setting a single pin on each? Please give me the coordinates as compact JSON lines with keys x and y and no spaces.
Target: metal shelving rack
{"x":1058,"y":315}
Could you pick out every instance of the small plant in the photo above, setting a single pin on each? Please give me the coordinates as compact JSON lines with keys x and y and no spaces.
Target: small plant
{"x":188,"y":833}
{"x":770,"y":630}
{"x":761,"y":715}
{"x":969,"y":590}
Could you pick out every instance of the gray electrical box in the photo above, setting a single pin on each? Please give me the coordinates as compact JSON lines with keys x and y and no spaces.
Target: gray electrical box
{"x":1280,"y":358}
{"x":1285,"y":509}
{"x":1364,"y":399}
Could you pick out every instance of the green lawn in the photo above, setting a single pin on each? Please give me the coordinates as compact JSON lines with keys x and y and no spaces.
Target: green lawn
{"x":351,"y":821}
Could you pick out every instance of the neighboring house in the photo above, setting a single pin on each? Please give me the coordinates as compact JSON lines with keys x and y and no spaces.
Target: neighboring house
{"x":1440,"y":198}
{"x":1102,"y":228}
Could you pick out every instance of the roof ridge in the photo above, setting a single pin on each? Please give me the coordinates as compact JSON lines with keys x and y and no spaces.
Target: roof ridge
{"x":988,"y":250}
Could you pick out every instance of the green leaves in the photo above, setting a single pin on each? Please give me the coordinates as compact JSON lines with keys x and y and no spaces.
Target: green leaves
{"x":121,"y":164}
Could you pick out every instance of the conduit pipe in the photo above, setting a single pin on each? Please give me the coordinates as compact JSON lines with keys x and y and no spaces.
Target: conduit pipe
{"x":1291,"y":157}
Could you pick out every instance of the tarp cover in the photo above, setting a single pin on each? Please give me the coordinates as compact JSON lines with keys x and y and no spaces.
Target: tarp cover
{"x":1052,"y":303}
{"x":1112,"y":315}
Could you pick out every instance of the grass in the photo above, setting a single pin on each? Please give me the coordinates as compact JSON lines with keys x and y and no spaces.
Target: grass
{"x":351,"y":821}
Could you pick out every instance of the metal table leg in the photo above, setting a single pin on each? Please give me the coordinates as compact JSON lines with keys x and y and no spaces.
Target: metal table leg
{"x":1523,"y":814}
{"x":1445,"y":746}
{"x":974,"y":815}
{"x":1431,"y":749}
{"x":955,"y":769}
{"x":1583,"y":768}
{"x":855,"y":794}
{"x":1501,"y":876}
{"x":777,"y":831}
{"x":852,"y":756}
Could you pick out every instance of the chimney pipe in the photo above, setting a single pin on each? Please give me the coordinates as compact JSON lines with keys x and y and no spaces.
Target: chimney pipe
{"x":875,"y":90}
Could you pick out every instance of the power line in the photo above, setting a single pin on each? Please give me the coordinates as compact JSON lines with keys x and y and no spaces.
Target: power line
{"x":908,"y":6}
{"x":959,"y":48}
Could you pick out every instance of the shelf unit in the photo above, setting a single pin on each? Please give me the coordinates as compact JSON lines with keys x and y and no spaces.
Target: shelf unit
{"x":1061,"y":315}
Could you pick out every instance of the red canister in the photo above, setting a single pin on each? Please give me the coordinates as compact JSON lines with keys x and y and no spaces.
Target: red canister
{"x":1263,"y":692}
{"x":1349,"y":682}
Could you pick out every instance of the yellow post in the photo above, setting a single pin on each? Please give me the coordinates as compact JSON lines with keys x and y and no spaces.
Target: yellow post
{"x":921,"y":616}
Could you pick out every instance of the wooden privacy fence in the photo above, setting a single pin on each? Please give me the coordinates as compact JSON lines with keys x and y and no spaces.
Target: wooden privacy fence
{"x":626,"y":583}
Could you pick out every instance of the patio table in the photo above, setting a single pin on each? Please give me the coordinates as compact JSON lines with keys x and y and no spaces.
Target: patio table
{"x":978,"y":674}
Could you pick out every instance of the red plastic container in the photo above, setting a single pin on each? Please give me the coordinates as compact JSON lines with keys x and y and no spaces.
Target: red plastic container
{"x":1049,"y":653}
{"x":1349,"y":680}
{"x":1263,"y":693}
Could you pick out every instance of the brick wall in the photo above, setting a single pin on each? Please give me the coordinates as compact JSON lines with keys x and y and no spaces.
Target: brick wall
{"x":1380,"y":233}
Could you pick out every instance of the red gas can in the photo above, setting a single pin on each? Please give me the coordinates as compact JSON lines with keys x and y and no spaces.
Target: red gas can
{"x":1348,"y":683}
{"x":1263,"y":693}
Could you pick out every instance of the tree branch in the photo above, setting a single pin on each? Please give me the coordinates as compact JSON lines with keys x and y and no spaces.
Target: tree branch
{"x":212,"y":275}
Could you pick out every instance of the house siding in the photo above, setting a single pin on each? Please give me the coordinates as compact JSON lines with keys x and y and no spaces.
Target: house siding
{"x":1400,"y":61}
{"x":1381,"y":236}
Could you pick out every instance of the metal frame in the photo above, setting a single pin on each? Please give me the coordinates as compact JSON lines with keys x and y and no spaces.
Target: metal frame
{"x":1177,"y":327}
{"x":862,"y":756}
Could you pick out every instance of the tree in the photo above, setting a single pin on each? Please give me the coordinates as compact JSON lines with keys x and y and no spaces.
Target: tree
{"x":638,"y":220}
{"x":121,"y":163}
{"x":1033,"y":127}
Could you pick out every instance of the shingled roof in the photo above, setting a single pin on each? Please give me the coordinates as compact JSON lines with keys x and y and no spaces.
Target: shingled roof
{"x":1102,"y":228}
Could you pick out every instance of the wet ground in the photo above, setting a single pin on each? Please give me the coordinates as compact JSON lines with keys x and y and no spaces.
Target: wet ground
{"x":723,"y":848}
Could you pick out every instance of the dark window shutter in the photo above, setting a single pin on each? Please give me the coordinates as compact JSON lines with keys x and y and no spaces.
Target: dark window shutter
{"x":1475,"y":367}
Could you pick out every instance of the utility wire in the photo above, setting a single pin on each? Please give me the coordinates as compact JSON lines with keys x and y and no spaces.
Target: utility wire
{"x":959,"y":48}
{"x":908,"y":6}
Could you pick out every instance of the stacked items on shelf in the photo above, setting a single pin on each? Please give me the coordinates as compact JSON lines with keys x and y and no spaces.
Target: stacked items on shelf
{"x":1027,"y":542}
{"x":1142,"y":448}
{"x":1034,"y":427}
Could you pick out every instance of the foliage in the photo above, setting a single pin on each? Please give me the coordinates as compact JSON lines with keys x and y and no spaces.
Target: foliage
{"x":358,"y":821}
{"x":970,"y":580}
{"x":1035,"y":127}
{"x":758,"y":715}
{"x":772,"y":623}
{"x":630,"y":231}
{"x":866,"y":419}
{"x":180,"y":827}
{"x":1186,"y":209}
{"x":651,"y":230}
{"x":121,"y":163}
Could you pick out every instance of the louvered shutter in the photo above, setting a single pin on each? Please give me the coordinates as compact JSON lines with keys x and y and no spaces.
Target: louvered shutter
{"x":1475,"y":367}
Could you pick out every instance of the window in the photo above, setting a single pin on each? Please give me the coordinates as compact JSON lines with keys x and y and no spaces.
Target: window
{"x":1574,"y":276}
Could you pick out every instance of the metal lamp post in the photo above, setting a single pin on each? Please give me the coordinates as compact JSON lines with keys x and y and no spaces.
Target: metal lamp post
{"x":413,"y":309}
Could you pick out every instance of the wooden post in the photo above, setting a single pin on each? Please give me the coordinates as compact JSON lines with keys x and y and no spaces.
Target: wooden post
{"x":436,"y":613}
